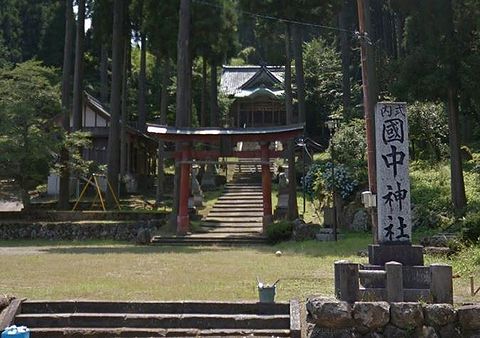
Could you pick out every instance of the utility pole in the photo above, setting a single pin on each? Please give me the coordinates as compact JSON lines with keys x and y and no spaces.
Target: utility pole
{"x":368,"y":106}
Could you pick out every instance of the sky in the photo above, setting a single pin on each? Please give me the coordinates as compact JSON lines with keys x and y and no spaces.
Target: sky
{"x":88,"y":21}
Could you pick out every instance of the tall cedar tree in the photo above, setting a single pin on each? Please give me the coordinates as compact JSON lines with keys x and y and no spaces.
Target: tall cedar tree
{"x":64,"y":192}
{"x":78,"y":75}
{"x":115,"y":99}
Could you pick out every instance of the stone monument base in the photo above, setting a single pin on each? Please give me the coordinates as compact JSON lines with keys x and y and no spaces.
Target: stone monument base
{"x":407,"y":254}
{"x":281,"y":210}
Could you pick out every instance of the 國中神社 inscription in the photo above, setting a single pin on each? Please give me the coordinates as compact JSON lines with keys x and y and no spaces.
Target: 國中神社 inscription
{"x":393,"y":182}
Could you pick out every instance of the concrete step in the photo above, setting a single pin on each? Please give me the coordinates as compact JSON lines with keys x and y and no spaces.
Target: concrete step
{"x":242,"y":207}
{"x":238,"y":204}
{"x":242,"y":193}
{"x":231,"y":213}
{"x":97,"y":319}
{"x":140,"y":332}
{"x":136,"y":320}
{"x":239,"y":231}
{"x":239,"y":219}
{"x":250,"y":199}
{"x":101,"y":306}
{"x":210,"y":224}
{"x":241,"y":185}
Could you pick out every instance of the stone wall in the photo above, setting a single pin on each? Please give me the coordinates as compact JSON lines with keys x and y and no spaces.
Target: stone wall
{"x":122,"y":231}
{"x":5,"y":301}
{"x":333,"y":318}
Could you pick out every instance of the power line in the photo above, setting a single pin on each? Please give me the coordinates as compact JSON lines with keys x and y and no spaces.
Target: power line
{"x":274,"y":18}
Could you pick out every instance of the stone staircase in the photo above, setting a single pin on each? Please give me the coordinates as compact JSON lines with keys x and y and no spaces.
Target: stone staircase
{"x":236,"y":218}
{"x":97,"y":319}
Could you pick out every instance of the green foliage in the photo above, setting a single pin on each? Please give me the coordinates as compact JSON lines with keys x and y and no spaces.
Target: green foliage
{"x":74,"y":142}
{"x":31,"y":29}
{"x":279,"y":231}
{"x":351,"y":148}
{"x":471,"y":228}
{"x":29,"y":99}
{"x":430,"y":187}
{"x":428,"y":130}
{"x":323,"y":82}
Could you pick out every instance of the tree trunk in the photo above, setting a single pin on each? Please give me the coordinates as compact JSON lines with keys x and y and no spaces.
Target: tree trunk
{"x":292,"y":181}
{"x":372,"y":74}
{"x":399,"y":27}
{"x":124,"y":114}
{"x":78,"y":76}
{"x":299,"y":73}
{"x":163,"y":121}
{"x":142,"y":86}
{"x":214,"y":110}
{"x":459,"y":198}
{"x":345,"y":51}
{"x":64,"y":191}
{"x":203,"y":105}
{"x":104,"y":73}
{"x":115,"y":98}
{"x":183,"y":99}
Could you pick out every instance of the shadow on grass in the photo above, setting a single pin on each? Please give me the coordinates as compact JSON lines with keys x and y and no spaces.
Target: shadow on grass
{"x":345,"y":247}
{"x":132,"y":249}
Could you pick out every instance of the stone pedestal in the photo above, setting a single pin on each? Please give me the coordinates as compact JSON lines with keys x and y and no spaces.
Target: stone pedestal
{"x":282,"y":207}
{"x":409,"y":255}
{"x":208,"y":179}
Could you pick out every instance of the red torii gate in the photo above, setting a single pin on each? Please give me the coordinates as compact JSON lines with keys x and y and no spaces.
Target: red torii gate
{"x":226,"y":138}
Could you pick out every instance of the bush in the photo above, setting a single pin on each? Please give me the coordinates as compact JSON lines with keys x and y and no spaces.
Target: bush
{"x":351,"y":148}
{"x":318,"y":181}
{"x":428,"y":130}
{"x":279,"y":231}
{"x":471,"y":228}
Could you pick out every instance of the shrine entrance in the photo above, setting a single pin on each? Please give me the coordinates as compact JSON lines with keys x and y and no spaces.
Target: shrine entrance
{"x":224,"y":140}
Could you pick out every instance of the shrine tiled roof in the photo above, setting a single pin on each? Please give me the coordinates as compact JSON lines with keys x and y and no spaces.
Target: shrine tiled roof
{"x":235,"y":78}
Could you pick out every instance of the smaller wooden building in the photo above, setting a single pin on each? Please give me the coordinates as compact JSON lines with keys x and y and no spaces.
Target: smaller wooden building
{"x":258,"y":95}
{"x":141,"y":148}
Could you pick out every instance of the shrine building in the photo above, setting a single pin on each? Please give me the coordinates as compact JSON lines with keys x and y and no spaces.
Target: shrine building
{"x":257,"y":93}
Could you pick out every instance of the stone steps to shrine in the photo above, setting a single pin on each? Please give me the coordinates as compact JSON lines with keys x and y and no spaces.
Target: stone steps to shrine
{"x":235,"y":219}
{"x":157,"y":319}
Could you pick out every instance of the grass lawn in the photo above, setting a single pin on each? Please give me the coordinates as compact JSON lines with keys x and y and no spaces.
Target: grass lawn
{"x":125,"y":272}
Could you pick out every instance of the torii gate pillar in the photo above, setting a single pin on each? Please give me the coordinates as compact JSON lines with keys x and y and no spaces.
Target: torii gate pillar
{"x":183,"y":220}
{"x":266,"y":185}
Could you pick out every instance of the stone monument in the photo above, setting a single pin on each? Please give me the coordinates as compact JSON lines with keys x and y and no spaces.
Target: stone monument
{"x":197,"y":192}
{"x":282,"y":205}
{"x":394,"y":230}
{"x":395,"y":272}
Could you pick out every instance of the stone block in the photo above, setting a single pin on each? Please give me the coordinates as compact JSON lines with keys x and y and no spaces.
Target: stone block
{"x":441,"y":286}
{"x":426,"y":332}
{"x":469,"y":317}
{"x":379,"y":254}
{"x":394,"y":281}
{"x":395,"y":332}
{"x":329,"y":313}
{"x":346,"y":281}
{"x":449,"y":331}
{"x":321,"y":332}
{"x":370,"y":316}
{"x":438,"y":315}
{"x":406,"y":315}
{"x":304,"y":231}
